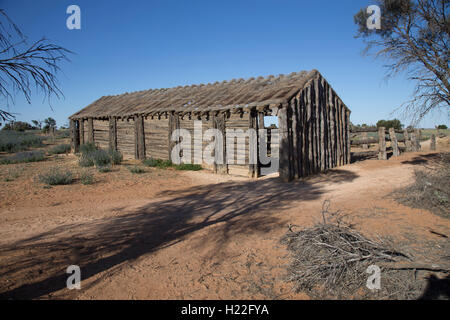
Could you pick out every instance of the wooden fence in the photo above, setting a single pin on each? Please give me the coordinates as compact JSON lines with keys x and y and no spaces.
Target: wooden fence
{"x":410,"y":138}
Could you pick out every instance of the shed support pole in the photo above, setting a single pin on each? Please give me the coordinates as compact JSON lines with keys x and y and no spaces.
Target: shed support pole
{"x":139,"y":137}
{"x":394,"y":142}
{"x":433,"y":142}
{"x":285,"y":173}
{"x":90,"y":130}
{"x":82,"y":131}
{"x":75,"y":135}
{"x":112,"y":133}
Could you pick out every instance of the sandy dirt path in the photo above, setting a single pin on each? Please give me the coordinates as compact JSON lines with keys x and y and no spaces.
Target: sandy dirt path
{"x":191,"y":235}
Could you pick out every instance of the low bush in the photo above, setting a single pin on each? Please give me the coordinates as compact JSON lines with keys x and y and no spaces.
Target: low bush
{"x":85,"y":161}
{"x":23,"y":157}
{"x":14,"y":141}
{"x":100,"y":157}
{"x":87,"y":148}
{"x":136,"y":169}
{"x":56,"y":176}
{"x":116,"y":156}
{"x":60,"y":149}
{"x":159,"y":163}
{"x":87,"y":178}
{"x":190,"y":167}
{"x":104,"y":169}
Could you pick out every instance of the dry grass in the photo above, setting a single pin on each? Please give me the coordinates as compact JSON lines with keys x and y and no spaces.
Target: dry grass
{"x":330,"y":260}
{"x":431,"y":188}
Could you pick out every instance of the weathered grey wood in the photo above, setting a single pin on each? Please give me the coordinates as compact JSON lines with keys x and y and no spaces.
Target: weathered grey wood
{"x":433,"y":142}
{"x":75,"y":135}
{"x":412,"y":136}
{"x":349,"y":154}
{"x":394,"y":143}
{"x":284,"y":166}
{"x":253,"y":144}
{"x":81,"y":131}
{"x":90,"y":130}
{"x":295,"y":138}
{"x":140,"y":137}
{"x":382,"y":155}
{"x":407,"y":140}
{"x":219,"y":124}
{"x":365,"y":138}
{"x":418,"y":134}
{"x":112,"y":133}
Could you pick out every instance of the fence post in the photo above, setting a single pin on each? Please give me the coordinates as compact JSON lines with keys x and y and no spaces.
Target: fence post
{"x":382,"y":144}
{"x":407,"y":141}
{"x":413,"y":141}
{"x":394,"y":142}
{"x":365,"y":137}
{"x":433,"y":142}
{"x":418,"y":133}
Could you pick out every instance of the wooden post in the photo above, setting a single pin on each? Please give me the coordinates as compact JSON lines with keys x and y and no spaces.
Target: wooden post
{"x":407,"y":140}
{"x":75,"y":135}
{"x":140,"y":137}
{"x":81,"y":131}
{"x":433,"y":142}
{"x":365,"y":146}
{"x":91,"y":130}
{"x":112,"y":133}
{"x":174,"y":124}
{"x":413,"y":141}
{"x":349,"y":151}
{"x":261,"y":126}
{"x":284,"y":167}
{"x":219,"y":124}
{"x":394,"y":142}
{"x":382,"y":144}
{"x":253,"y":144}
{"x":418,"y":134}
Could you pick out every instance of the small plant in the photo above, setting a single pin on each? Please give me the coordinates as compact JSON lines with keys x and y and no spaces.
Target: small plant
{"x":116,"y":156}
{"x":104,"y":169}
{"x":100,"y":157}
{"x":86,"y":178}
{"x":159,"y":163}
{"x":85,"y":161}
{"x":190,"y":167}
{"x":13,"y":174}
{"x":60,"y":149}
{"x":87,"y":148}
{"x":23,"y":157}
{"x":56,"y":176}
{"x":136,"y":169}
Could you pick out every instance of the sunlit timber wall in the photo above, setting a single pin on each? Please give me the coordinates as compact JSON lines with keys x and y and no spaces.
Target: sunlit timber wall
{"x":314,"y":131}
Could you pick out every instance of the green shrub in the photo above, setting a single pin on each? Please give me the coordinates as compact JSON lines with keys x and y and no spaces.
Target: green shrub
{"x":13,"y":174}
{"x":159,"y":163}
{"x":136,"y":169}
{"x":104,"y":169}
{"x":14,"y":141}
{"x":87,"y":148}
{"x":56,"y":176}
{"x":116,"y":156}
{"x":85,"y":161}
{"x":59,"y":149}
{"x":100,"y":157}
{"x":191,"y":167}
{"x":23,"y":157}
{"x":87,"y":178}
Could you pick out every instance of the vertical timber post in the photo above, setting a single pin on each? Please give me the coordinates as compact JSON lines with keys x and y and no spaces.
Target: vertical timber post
{"x":82,"y":131}
{"x":220,"y":163}
{"x":253,"y":143}
{"x":91,"y":130}
{"x":418,"y":133}
{"x":407,"y":140}
{"x":382,"y":144}
{"x":75,"y":135}
{"x":112,"y":133}
{"x":284,"y":151}
{"x":413,"y":141}
{"x":433,"y":142}
{"x":139,"y":122}
{"x":394,"y":142}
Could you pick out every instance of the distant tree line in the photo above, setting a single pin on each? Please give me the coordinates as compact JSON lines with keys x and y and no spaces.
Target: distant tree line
{"x":46,"y":126}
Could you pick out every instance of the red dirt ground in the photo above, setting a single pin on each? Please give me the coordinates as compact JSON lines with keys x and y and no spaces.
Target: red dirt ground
{"x":186,"y":235}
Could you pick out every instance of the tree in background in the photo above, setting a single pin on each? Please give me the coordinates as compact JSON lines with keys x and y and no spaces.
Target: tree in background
{"x":442,"y":127}
{"x":414,"y":38}
{"x":49,"y":124}
{"x":24,"y":66}
{"x":395,"y":123}
{"x":37,"y":123}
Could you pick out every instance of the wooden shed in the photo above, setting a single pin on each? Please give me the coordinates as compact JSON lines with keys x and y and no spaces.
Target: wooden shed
{"x":313,"y":121}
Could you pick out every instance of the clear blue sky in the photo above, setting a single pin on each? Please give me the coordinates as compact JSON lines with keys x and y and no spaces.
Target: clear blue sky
{"x":125,"y":46}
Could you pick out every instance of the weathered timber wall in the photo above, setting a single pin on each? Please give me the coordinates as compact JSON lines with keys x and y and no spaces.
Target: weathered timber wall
{"x":314,"y":132}
{"x":101,"y":133}
{"x":156,"y":138}
{"x":125,"y":138}
{"x":238,"y":121}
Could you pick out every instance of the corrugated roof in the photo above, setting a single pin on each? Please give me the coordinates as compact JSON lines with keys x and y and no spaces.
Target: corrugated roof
{"x":226,"y":95}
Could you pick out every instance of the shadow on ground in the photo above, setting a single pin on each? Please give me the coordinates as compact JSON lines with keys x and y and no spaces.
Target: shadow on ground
{"x":35,"y":267}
